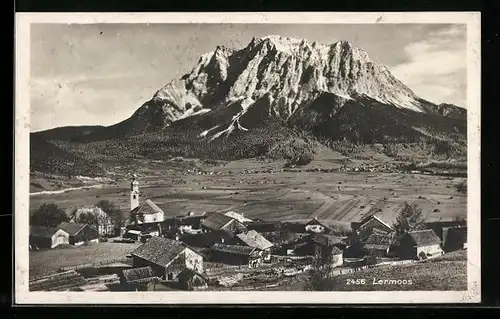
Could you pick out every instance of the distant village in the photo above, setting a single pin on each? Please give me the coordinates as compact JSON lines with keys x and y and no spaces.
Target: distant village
{"x":227,"y":250}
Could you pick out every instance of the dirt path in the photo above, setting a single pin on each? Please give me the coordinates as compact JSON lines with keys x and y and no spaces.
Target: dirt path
{"x":60,"y":191}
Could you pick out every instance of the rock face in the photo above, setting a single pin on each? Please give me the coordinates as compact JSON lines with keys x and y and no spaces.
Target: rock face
{"x":289,"y":74}
{"x":240,"y":103}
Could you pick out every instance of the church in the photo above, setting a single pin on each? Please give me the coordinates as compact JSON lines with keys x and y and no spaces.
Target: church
{"x":148,"y":211}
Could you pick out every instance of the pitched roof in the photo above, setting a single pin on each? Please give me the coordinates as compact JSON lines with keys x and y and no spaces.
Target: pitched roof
{"x":216,"y":221}
{"x":336,"y":250}
{"x":207,"y":239}
{"x":315,"y":221}
{"x":424,"y":237}
{"x":148,"y":207}
{"x":375,"y":247}
{"x":365,"y":220}
{"x":158,"y":250}
{"x":187,"y":274}
{"x":254,"y":239}
{"x":238,"y":217}
{"x":233,"y":249}
{"x":41,"y":231}
{"x":326,"y":240}
{"x":379,"y":239}
{"x":72,"y":228}
{"x":138,"y":274}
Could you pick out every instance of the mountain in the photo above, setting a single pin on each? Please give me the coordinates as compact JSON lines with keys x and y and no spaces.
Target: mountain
{"x":254,"y":97}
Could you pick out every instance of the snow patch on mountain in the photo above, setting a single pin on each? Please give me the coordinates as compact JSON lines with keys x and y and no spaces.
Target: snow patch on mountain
{"x":291,"y":72}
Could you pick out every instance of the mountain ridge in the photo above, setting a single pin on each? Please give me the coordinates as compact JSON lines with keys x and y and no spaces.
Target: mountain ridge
{"x":283,"y":85}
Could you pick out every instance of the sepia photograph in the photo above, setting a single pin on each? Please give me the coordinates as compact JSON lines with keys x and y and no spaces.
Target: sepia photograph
{"x":247,"y":158}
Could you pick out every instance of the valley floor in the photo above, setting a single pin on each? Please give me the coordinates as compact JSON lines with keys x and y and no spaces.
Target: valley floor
{"x":276,"y":195}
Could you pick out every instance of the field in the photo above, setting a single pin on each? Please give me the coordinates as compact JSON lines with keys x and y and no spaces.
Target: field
{"x":47,"y":262}
{"x":178,"y":187}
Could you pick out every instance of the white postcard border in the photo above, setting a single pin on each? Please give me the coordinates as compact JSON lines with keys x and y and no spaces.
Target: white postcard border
{"x":21,"y":178}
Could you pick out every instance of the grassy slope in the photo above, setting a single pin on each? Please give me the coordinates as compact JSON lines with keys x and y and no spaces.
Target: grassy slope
{"x":349,"y":129}
{"x":448,"y":272}
{"x":47,"y":262}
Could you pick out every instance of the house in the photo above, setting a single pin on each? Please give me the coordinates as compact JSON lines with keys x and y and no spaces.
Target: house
{"x":236,"y":255}
{"x":192,"y":280}
{"x":217,"y":221}
{"x":104,"y":223}
{"x":420,"y":244}
{"x":189,"y":223}
{"x":377,"y":244}
{"x":337,"y":256}
{"x":314,"y":244}
{"x":315,"y":226}
{"x":47,"y":237}
{"x":138,"y":275}
{"x":454,"y":238}
{"x":239,"y":217}
{"x":80,"y":233}
{"x":366,"y":226}
{"x":256,"y":240}
{"x":308,"y":245}
{"x":166,"y":257}
{"x":207,"y":240}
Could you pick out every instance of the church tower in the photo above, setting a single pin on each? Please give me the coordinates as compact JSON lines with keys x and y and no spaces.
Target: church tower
{"x":134,"y":193}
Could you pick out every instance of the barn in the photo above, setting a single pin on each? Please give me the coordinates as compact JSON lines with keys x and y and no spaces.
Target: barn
{"x":256,"y":240}
{"x":366,"y":226}
{"x":166,"y":257}
{"x":377,"y":244}
{"x":236,"y":255}
{"x":420,"y":244}
{"x":315,"y":226}
{"x":80,"y":233}
{"x":192,"y":280}
{"x":207,"y":240}
{"x":47,"y":237}
{"x":105,"y":224}
{"x":140,"y":275}
{"x":216,"y":222}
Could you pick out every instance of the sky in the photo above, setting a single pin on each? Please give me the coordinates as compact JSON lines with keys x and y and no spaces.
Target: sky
{"x":99,"y":74}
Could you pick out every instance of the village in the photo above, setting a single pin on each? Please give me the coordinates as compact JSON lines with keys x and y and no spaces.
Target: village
{"x":225,"y":250}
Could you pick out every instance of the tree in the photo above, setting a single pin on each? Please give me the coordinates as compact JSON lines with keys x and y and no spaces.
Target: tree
{"x":113,"y":211}
{"x":409,"y":219}
{"x":88,"y":218}
{"x":49,"y":215}
{"x":321,"y":270}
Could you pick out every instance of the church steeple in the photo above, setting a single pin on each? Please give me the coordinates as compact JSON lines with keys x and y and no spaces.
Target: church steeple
{"x":134,"y":193}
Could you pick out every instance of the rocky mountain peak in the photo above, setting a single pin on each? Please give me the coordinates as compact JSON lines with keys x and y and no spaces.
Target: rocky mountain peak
{"x":291,"y":72}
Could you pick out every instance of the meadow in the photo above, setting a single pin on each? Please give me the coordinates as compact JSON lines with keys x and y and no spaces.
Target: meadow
{"x":47,"y":262}
{"x":179,"y":188}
